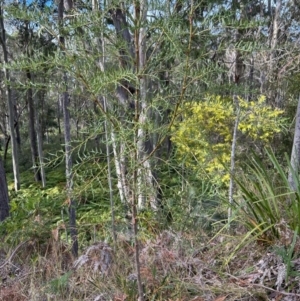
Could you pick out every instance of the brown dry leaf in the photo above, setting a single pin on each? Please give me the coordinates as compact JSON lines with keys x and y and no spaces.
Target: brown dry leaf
{"x":240,"y":282}
{"x":121,"y":297}
{"x":55,"y":233}
{"x":222,"y":298}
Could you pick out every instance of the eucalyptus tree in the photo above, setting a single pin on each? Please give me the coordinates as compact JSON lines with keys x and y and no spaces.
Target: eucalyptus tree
{"x":295,"y":155}
{"x":26,"y":37}
{"x":67,"y":130}
{"x":10,"y":101}
{"x":289,"y":73}
{"x":30,"y":70}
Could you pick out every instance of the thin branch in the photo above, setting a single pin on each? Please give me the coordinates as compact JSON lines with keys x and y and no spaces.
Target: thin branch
{"x":13,"y":254}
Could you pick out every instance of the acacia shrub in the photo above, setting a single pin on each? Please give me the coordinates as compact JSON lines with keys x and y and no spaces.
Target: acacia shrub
{"x":203,"y":132}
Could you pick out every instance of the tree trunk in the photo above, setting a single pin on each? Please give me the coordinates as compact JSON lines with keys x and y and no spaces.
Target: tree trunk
{"x":139,"y":182}
{"x":274,"y":35}
{"x":16,"y":123}
{"x":67,"y":136}
{"x":120,"y":166}
{"x":109,"y":174}
{"x":232,"y":157}
{"x":58,"y":119}
{"x":273,"y":58}
{"x":119,"y":147}
{"x":295,"y":156}
{"x":40,"y":147}
{"x":238,"y":70}
{"x":107,"y":128}
{"x":69,"y":172}
{"x":10,"y":106}
{"x":32,"y":130}
{"x":146,"y":188}
{"x":4,"y":199}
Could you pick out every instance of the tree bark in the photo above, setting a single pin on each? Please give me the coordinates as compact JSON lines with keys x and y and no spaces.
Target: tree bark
{"x":10,"y":105}
{"x":16,"y":122}
{"x":67,"y":137}
{"x":32,"y":131}
{"x":274,"y":35}
{"x":273,"y":93}
{"x":107,"y":128}
{"x":295,"y":156}
{"x":146,"y":188}
{"x":232,"y":157}
{"x":40,"y":147}
{"x":130,"y":57}
{"x":4,"y":199}
{"x":69,"y":172}
{"x":122,"y":93}
{"x":238,"y":70}
{"x":118,"y":146}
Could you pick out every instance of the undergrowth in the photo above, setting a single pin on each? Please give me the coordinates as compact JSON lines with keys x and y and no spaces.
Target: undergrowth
{"x":187,"y":251}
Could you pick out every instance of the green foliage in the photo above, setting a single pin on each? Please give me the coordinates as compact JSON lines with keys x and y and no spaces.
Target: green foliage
{"x":189,"y":202}
{"x":267,"y":201}
{"x":60,"y":285}
{"x":36,"y":211}
{"x":128,"y":286}
{"x":203,"y":133}
{"x":33,"y":213}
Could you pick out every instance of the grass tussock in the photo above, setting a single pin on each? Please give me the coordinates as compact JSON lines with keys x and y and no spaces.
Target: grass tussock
{"x":174,"y":266}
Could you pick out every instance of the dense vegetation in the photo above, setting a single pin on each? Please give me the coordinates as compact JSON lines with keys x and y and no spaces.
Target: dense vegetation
{"x":149,"y":150}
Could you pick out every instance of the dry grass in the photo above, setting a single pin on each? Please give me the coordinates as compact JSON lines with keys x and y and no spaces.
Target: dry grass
{"x":174,"y":267}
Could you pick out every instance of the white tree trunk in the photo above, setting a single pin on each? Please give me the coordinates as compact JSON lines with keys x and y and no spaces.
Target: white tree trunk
{"x":119,"y":147}
{"x":232,"y":156}
{"x":295,"y":156}
{"x":274,"y":36}
{"x":14,"y":144}
{"x":40,"y":150}
{"x":146,"y":181}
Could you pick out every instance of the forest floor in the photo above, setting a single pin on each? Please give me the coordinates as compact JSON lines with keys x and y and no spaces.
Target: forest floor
{"x":174,"y":267}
